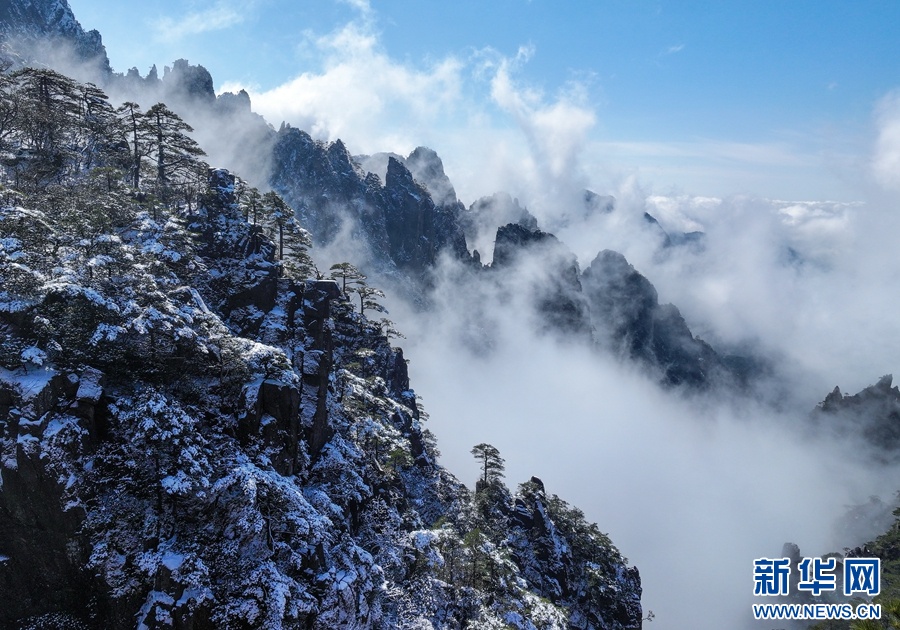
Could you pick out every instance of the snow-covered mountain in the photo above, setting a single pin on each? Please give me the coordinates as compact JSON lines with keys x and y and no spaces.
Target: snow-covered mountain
{"x":196,"y":431}
{"x":30,"y":27}
{"x":199,"y":429}
{"x":190,"y":436}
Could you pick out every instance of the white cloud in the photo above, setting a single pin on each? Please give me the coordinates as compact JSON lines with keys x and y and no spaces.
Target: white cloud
{"x":556,"y":129}
{"x":493,"y":131}
{"x":685,"y":487}
{"x":362,"y":96}
{"x":363,"y":6}
{"x":733,"y":482}
{"x":219,"y":16}
{"x":886,"y":161}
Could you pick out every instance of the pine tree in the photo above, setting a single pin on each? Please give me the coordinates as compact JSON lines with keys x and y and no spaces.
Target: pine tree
{"x":367,"y":297}
{"x":48,"y":115}
{"x":492,"y":465}
{"x":137,"y":132}
{"x":348,"y":275}
{"x":297,"y":262}
{"x":9,"y":109}
{"x":278,"y":218}
{"x":101,"y":133}
{"x":174,"y":152}
{"x":250,"y":200}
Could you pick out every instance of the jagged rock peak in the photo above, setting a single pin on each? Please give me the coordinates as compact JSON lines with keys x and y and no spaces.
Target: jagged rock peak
{"x":695,"y":240}
{"x":629,"y":320}
{"x":28,"y":22}
{"x":872,"y":414}
{"x":187,"y":81}
{"x":594,"y":203}
{"x":501,"y":209}
{"x":235,"y":102}
{"x":426,"y":166}
{"x":555,"y":290}
{"x":513,"y":237}
{"x":398,"y":175}
{"x":616,"y":268}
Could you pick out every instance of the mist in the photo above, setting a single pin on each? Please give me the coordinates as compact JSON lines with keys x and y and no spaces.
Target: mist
{"x":691,"y":488}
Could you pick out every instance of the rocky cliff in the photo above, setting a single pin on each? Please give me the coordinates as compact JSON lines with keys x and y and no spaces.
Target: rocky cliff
{"x":397,"y":221}
{"x":29,"y":27}
{"x":193,"y":434}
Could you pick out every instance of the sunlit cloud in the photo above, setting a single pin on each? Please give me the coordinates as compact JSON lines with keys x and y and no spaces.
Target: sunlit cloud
{"x":556,"y":128}
{"x":361,"y":95}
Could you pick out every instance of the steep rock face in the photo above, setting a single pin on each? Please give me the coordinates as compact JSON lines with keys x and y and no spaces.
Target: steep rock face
{"x":628,"y":319}
{"x":554,"y":283}
{"x":428,"y":169}
{"x":500,"y":208}
{"x":481,"y":220}
{"x":549,"y":541}
{"x":872,"y":414}
{"x":25,"y":24}
{"x":256,"y":462}
{"x":193,"y":83}
{"x":43,"y":549}
{"x":398,"y":222}
{"x":238,"y":102}
{"x":320,"y":182}
{"x":417,"y":229}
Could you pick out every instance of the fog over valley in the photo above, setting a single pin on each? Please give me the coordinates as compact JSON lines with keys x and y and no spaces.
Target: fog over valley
{"x":660,"y":353}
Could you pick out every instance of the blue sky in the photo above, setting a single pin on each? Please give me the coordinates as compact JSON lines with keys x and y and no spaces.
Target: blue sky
{"x":767,"y":98}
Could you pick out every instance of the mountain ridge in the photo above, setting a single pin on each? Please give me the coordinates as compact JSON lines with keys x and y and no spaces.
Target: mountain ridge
{"x":194,"y":434}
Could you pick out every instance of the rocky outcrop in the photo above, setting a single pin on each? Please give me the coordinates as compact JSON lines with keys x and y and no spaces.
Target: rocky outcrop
{"x":483,"y":218}
{"x":428,"y":169}
{"x":629,"y":320}
{"x":417,"y":230}
{"x":319,"y":181}
{"x":398,"y":222}
{"x":33,"y":28}
{"x":318,"y":360}
{"x":189,"y":83}
{"x":556,"y":290}
{"x":548,"y":542}
{"x":237,"y":102}
{"x":42,"y":547}
{"x":872,"y":414}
